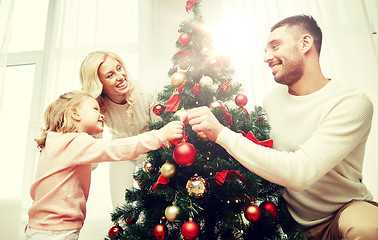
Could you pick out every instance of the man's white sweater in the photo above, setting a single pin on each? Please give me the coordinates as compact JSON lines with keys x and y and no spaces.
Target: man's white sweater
{"x":319,"y":145}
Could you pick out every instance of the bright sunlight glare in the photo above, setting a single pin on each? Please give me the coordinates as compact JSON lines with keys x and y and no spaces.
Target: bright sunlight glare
{"x":233,"y":37}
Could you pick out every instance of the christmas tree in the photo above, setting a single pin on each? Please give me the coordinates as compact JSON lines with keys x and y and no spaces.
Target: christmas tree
{"x":192,"y":188}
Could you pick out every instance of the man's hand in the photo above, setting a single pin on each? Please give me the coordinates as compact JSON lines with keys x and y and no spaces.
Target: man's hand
{"x":203,"y":120}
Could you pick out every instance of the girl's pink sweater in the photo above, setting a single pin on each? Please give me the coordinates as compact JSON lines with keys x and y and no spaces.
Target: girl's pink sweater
{"x":63,"y":176}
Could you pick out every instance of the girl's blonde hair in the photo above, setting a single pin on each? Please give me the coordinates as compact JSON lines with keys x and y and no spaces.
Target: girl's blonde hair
{"x":90,"y":80}
{"x":57,"y":117}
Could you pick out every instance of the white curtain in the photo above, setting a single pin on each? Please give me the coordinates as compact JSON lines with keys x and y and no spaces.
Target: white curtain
{"x":6,"y":12}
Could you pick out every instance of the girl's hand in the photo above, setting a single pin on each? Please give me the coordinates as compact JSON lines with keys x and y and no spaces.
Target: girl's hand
{"x":173,"y":130}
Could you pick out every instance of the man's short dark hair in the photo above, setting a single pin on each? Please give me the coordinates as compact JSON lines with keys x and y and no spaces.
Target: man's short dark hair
{"x":307,"y":23}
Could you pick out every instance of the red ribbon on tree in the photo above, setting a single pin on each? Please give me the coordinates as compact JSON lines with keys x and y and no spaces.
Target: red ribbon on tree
{"x":267,"y":143}
{"x":189,"y":4}
{"x":174,"y":102}
{"x":227,"y":116}
{"x":195,"y":89}
{"x":221,"y":177}
{"x":161,"y":180}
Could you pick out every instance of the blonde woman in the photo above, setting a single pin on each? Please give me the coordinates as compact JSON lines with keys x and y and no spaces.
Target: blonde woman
{"x":68,"y":149}
{"x":127,"y":109}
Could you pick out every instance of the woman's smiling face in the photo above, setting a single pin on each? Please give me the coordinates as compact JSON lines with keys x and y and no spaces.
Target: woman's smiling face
{"x":114,"y":80}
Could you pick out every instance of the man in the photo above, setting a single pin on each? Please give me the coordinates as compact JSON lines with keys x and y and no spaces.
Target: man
{"x":319,"y":127}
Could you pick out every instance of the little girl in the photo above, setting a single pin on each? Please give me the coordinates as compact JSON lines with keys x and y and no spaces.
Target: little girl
{"x":68,"y":149}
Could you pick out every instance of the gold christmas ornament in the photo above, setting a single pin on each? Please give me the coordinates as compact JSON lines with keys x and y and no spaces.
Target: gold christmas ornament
{"x":206,"y":81}
{"x":168,"y":170}
{"x":196,"y":186}
{"x":181,"y":115}
{"x":178,"y":78}
{"x":202,"y":136}
{"x":171,"y":213}
{"x":216,"y":104}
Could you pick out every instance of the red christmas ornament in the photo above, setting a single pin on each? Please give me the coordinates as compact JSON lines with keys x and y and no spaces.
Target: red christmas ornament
{"x":184,"y":59}
{"x":270,"y":207}
{"x":190,"y":230}
{"x":130,"y":221}
{"x":185,"y":154}
{"x":115,"y":232}
{"x":225,"y":86}
{"x":241,"y":100}
{"x":158,"y":109}
{"x":184,"y":39}
{"x":160,"y":232}
{"x":252,"y":212}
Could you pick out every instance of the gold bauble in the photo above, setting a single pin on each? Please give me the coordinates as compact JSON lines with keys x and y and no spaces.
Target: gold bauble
{"x":171,"y":213}
{"x":178,"y":78}
{"x":202,"y":136}
{"x":216,"y":104}
{"x":168,"y":170}
{"x":196,"y":186}
{"x":206,"y":81}
{"x":181,"y":115}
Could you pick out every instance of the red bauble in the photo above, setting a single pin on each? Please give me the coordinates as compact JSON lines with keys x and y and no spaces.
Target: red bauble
{"x":130,"y":221}
{"x":270,"y":207}
{"x":185,"y":154}
{"x":184,"y":39}
{"x":160,"y":232}
{"x":190,"y":230}
{"x":252,"y":213}
{"x":241,"y":100}
{"x":115,"y":232}
{"x":158,"y":109}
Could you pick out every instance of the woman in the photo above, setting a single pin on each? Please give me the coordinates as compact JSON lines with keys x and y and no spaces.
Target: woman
{"x":127,"y":110}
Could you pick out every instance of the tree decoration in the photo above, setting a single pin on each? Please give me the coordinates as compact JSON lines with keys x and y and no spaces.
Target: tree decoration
{"x":216,"y":64}
{"x":216,"y":104}
{"x":160,"y":231}
{"x":206,"y":81}
{"x":115,"y":232}
{"x":270,"y":207}
{"x":252,"y":212}
{"x":184,"y":59}
{"x":178,"y":79}
{"x":241,"y":100}
{"x":190,"y":230}
{"x":245,"y":111}
{"x":225,"y":87}
{"x":196,"y":186}
{"x":148,"y":167}
{"x":185,"y":154}
{"x":202,"y":136}
{"x":130,"y":221}
{"x":184,"y":39}
{"x":158,"y":109}
{"x":181,"y":115}
{"x":171,"y":212}
{"x":168,"y":170}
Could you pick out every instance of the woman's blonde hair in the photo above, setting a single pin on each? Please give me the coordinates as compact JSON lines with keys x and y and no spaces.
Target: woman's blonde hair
{"x":90,"y":80}
{"x":57,"y":117}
